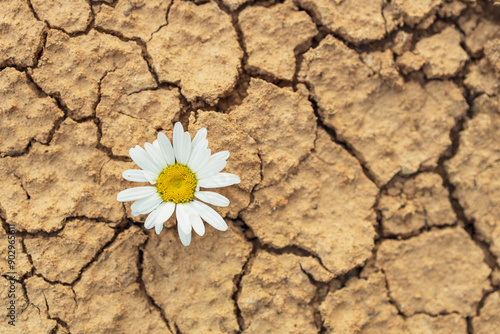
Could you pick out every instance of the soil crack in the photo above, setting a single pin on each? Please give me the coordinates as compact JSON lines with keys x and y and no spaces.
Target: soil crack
{"x":348,"y":147}
{"x":142,"y":285}
{"x":237,"y":288}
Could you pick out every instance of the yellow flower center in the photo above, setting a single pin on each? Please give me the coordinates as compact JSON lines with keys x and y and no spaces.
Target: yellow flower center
{"x":177,"y":183}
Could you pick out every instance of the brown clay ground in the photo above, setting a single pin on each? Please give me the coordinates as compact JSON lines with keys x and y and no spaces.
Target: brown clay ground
{"x":366,"y":134}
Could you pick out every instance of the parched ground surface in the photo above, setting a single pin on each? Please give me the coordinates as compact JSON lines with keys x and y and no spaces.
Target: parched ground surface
{"x":366,"y":134}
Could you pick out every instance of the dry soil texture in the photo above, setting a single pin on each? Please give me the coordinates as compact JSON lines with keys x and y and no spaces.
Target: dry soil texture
{"x":366,"y":134}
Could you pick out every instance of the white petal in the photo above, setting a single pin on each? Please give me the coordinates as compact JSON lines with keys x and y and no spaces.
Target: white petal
{"x":201,"y":135}
{"x":211,"y":168}
{"x":151,"y":176}
{"x":148,"y":155}
{"x":183,"y":218}
{"x":219,"y":180}
{"x":166,"y":211}
{"x":156,"y":154}
{"x":185,"y":238}
{"x":135,"y":175}
{"x":177,"y":139}
{"x":209,"y":215}
{"x":158,"y":228}
{"x":196,"y":151}
{"x":133,"y":194}
{"x":201,"y":145}
{"x":150,"y":220}
{"x":195,"y":219}
{"x":166,"y":148}
{"x":212,"y":198}
{"x":146,"y":205}
{"x":200,"y":160}
{"x":183,"y":151}
{"x":222,"y":155}
{"x":142,"y":159}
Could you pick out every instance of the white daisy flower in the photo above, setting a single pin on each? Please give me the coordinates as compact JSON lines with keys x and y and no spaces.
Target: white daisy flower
{"x":178,"y":172}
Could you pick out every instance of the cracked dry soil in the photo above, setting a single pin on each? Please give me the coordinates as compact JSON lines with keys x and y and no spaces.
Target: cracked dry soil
{"x":366,"y":134}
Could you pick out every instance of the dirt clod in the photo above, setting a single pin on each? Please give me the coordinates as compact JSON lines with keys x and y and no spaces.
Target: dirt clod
{"x":312,"y":209}
{"x":25,"y":113}
{"x":53,"y":300}
{"x":442,"y":54}
{"x":488,"y":320}
{"x":69,"y":15}
{"x":452,"y":9}
{"x":413,"y":204}
{"x":77,"y":241}
{"x":362,"y":306}
{"x":474,"y":169}
{"x":133,"y":19}
{"x":492,"y":53}
{"x":268,"y":305}
{"x":198,"y":50}
{"x":482,"y":78}
{"x":418,"y":13}
{"x":356,"y":22}
{"x":273,"y":36}
{"x":480,"y":33}
{"x":419,"y":280}
{"x":410,"y":62}
{"x":20,"y":34}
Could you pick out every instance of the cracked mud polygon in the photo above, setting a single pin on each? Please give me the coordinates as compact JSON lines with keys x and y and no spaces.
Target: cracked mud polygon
{"x":366,"y":135}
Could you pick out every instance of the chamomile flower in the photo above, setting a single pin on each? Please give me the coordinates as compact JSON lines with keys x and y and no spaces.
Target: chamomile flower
{"x":178,"y":172}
